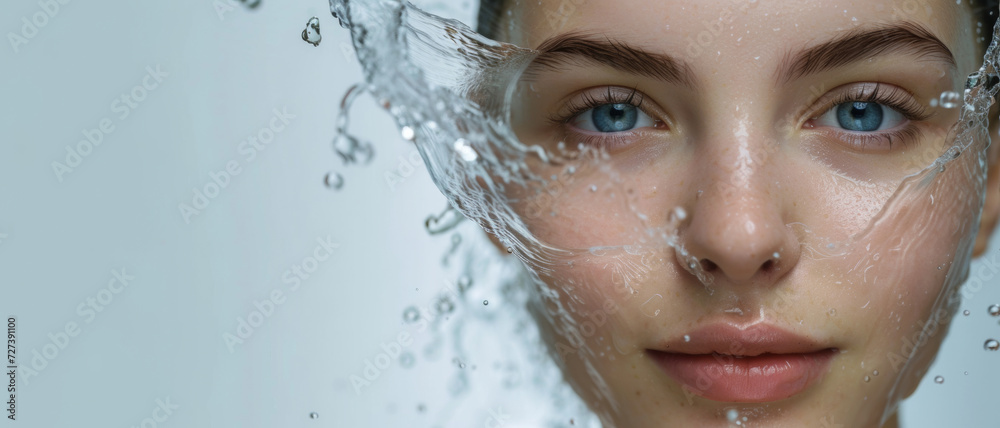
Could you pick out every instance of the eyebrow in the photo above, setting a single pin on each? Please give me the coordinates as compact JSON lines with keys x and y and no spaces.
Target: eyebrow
{"x":860,"y":44}
{"x":573,"y":48}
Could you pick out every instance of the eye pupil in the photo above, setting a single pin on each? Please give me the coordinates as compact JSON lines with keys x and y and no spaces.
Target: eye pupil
{"x":860,"y":116}
{"x":615,"y":117}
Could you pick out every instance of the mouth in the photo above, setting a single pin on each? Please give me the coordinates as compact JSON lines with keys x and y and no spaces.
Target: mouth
{"x":754,"y":364}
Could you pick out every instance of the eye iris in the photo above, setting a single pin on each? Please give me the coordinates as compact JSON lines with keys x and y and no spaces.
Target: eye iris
{"x":859,"y":116}
{"x":614,"y":117}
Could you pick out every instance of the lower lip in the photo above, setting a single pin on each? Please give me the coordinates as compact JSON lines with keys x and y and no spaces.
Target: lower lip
{"x":764,"y":378}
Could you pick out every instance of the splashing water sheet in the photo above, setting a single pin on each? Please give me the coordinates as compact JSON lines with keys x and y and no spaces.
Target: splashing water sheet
{"x":658,"y":239}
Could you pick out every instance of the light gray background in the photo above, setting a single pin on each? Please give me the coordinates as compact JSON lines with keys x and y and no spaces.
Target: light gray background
{"x":163,"y":335}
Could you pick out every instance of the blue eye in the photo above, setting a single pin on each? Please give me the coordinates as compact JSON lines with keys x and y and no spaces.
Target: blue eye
{"x":608,"y":118}
{"x":859,"y":116}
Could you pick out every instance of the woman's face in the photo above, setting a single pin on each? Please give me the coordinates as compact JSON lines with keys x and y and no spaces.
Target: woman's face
{"x":727,"y":232}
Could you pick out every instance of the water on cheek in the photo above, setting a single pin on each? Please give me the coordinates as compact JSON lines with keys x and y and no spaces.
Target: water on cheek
{"x":609,"y":265}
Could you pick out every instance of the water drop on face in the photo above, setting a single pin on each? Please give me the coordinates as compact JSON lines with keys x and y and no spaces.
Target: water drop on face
{"x":994,"y":310}
{"x":314,"y":415}
{"x":938,"y":379}
{"x":949,"y":99}
{"x":875,"y":372}
{"x":486,"y":302}
{"x":687,"y":338}
{"x":776,"y":255}
{"x":311,"y":33}
{"x":867,"y":378}
{"x":991,"y":345}
{"x":732,"y":415}
{"x":593,"y":187}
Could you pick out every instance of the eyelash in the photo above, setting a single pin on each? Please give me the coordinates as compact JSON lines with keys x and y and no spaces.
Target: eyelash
{"x":589,"y":101}
{"x":896,"y":99}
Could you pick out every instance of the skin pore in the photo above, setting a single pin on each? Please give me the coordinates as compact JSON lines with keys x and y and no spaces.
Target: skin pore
{"x":741,"y":128}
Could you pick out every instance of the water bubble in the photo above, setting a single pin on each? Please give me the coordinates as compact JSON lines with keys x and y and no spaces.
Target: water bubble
{"x":459,"y":363}
{"x":994,"y":310}
{"x":687,"y":338}
{"x":874,"y":372}
{"x":411,"y":314}
{"x":510,"y":250}
{"x":732,"y":415}
{"x":991,"y":345}
{"x":486,"y":302}
{"x":867,"y":378}
{"x":966,"y":312}
{"x":314,"y":415}
{"x":311,"y":33}
{"x":939,"y":379}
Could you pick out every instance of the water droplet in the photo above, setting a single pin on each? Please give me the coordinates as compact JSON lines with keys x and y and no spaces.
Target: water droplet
{"x":464,"y":283}
{"x":411,"y":314}
{"x":966,"y":373}
{"x":938,"y":379}
{"x":311,"y":33}
{"x":687,"y":338}
{"x":407,"y":133}
{"x":445,"y":306}
{"x":406,"y":360}
{"x":966,"y":312}
{"x":949,"y":99}
{"x":510,"y":250}
{"x":314,"y":415}
{"x":465,"y":151}
{"x":334,"y":180}
{"x":991,"y":345}
{"x":593,"y":187}
{"x":486,"y":302}
{"x":867,"y":379}
{"x":832,"y":312}
{"x":649,"y":308}
{"x":994,"y":310}
{"x":732,"y":415}
{"x":874,"y":372}
{"x":776,"y":255}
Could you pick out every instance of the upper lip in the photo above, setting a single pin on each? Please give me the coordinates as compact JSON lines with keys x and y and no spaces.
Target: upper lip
{"x":743,"y":341}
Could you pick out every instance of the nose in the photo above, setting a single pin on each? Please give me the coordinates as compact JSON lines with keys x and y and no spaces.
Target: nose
{"x":737,"y":228}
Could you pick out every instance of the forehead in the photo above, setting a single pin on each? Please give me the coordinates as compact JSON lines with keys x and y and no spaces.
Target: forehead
{"x":733,"y":30}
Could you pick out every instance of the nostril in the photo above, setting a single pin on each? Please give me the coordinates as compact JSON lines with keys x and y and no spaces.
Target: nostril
{"x":767,"y":266}
{"x":708,"y":265}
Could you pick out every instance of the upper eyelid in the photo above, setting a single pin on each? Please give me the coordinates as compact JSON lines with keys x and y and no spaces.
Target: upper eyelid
{"x":573,"y":106}
{"x":882,"y":93}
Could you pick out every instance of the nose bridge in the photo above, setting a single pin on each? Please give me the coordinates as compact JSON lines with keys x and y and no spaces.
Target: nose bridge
{"x":737,"y":226}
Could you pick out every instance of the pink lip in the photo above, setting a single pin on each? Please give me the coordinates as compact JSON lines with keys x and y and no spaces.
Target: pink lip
{"x":755,"y":364}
